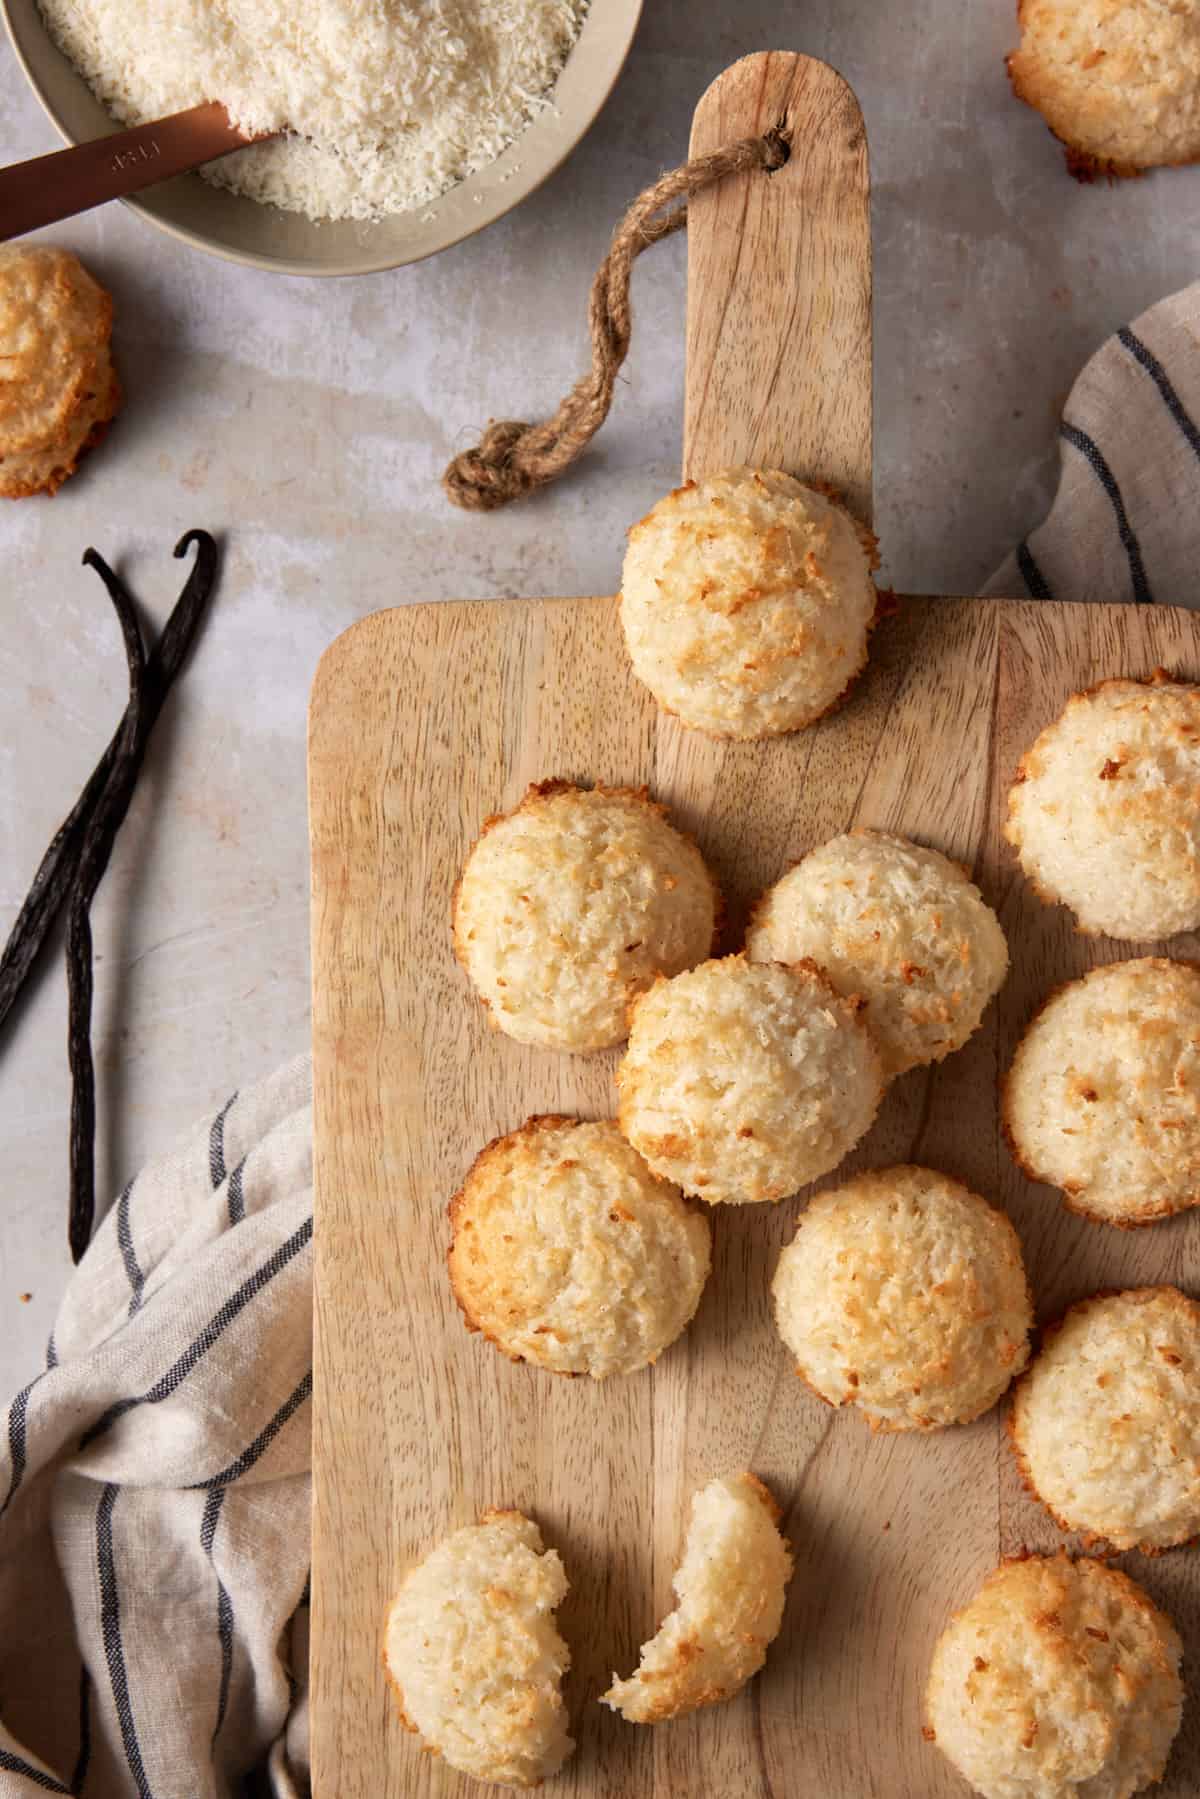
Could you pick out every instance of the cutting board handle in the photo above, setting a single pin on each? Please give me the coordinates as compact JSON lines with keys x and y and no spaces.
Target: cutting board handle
{"x":779,"y":284}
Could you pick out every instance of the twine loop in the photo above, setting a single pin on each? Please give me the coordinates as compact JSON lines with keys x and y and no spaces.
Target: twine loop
{"x":512,"y":458}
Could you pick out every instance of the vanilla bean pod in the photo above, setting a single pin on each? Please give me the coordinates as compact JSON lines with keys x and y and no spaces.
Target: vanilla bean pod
{"x":74,"y":864}
{"x":99,"y":835}
{"x":56,"y":873}
{"x":44,"y":900}
{"x":150,"y":688}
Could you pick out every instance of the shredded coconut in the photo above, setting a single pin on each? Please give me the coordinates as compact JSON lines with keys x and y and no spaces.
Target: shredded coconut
{"x":388,"y":103}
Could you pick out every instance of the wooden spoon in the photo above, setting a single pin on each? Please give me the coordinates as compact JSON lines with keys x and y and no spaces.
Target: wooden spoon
{"x":48,"y":188}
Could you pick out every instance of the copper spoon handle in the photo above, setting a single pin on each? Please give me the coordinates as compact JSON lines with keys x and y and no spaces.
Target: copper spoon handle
{"x":48,"y":188}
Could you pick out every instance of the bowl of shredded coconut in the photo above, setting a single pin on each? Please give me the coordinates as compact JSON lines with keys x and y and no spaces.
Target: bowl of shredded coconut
{"x":406,"y":124}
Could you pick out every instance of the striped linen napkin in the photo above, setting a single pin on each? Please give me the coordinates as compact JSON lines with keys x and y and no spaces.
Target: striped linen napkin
{"x":1125,"y":523}
{"x":154,"y":1483}
{"x":154,"y":1479}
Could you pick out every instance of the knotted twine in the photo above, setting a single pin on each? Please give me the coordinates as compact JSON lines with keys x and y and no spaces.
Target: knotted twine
{"x":512,"y":459}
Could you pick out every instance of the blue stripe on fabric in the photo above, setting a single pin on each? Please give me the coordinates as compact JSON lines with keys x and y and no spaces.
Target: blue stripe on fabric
{"x":133,"y":1272}
{"x":14,"y":1764}
{"x":237,"y":1197}
{"x":1092,"y":453}
{"x":18,"y":1418}
{"x":208,"y":1531}
{"x":264,"y":1439}
{"x":114,"y":1649}
{"x":216,"y":1144}
{"x":213,"y":1330}
{"x":1036,"y":584}
{"x":1158,"y":374}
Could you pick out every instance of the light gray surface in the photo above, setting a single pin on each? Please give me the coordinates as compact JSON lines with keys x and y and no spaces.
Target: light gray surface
{"x":308,"y":422}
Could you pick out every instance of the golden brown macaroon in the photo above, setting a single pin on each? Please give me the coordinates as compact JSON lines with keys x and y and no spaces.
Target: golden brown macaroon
{"x":747,"y":600}
{"x":1103,"y":1096}
{"x":58,"y":387}
{"x":898,"y":925}
{"x":569,"y":906}
{"x":904,"y":1294}
{"x":1117,"y":81}
{"x":1104,"y":812}
{"x":731,"y":1586}
{"x":473,"y":1654}
{"x":1059,"y":1680}
{"x":743,"y":1081}
{"x":568,"y":1253}
{"x":1105,"y":1422}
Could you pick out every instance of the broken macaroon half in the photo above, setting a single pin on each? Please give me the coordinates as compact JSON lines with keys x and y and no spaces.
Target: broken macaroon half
{"x":731,"y":1586}
{"x":473,"y":1654}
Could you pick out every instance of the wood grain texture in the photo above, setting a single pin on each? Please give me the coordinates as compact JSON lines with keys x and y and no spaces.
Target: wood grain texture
{"x":779,"y":284}
{"x":426,"y":719}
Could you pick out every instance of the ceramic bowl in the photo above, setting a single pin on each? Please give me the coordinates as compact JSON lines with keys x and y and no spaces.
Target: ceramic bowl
{"x":209,"y":218}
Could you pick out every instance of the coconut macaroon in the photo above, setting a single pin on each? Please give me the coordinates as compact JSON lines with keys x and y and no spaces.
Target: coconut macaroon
{"x":570,"y":1254}
{"x":730,"y":1586}
{"x":471,"y":1648}
{"x":1059,"y":1678}
{"x":746,"y":602}
{"x":60,"y":390}
{"x":904,"y":1294}
{"x":569,"y":907}
{"x":1106,"y":1421}
{"x":1103,"y":1096}
{"x":902,"y":927}
{"x":1117,"y":81}
{"x":1105,"y":810}
{"x":744,"y":1081}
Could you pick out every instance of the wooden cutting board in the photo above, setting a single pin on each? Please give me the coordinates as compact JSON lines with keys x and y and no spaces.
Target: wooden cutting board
{"x":426,"y":719}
